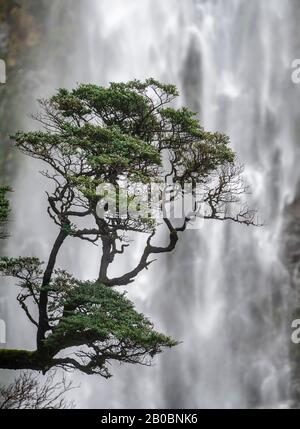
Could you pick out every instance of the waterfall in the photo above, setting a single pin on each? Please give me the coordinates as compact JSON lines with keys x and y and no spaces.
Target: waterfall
{"x":224,"y":292}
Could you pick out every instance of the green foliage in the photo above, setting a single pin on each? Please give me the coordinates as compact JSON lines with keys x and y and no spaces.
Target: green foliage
{"x":28,"y":270}
{"x":93,"y":315}
{"x":90,"y":306}
{"x":4,"y":203}
{"x":100,"y":322}
{"x":15,"y":266}
{"x":4,"y":209}
{"x":96,"y":135}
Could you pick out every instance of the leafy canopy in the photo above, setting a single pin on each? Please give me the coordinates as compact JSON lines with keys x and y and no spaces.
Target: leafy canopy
{"x":96,"y":135}
{"x":100,"y":322}
{"x":4,"y":209}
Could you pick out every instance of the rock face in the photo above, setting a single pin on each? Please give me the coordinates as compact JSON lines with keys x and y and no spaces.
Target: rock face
{"x":21,"y":29}
{"x":21,"y":35}
{"x":291,"y":258}
{"x":27,"y":34}
{"x":291,"y":242}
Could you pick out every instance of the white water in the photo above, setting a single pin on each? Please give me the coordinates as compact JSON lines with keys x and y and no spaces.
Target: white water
{"x":223,"y":292}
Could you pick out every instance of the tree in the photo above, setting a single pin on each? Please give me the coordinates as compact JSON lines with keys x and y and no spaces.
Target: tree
{"x":93,"y":137}
{"x":27,"y":392}
{"x":4,"y":210}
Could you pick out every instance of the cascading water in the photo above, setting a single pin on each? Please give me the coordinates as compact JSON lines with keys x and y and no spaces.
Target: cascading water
{"x":223,"y":292}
